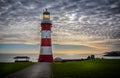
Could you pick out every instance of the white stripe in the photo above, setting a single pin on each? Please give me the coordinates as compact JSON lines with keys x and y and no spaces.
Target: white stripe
{"x":46,"y":50}
{"x":46,"y":34}
{"x":46,"y":21}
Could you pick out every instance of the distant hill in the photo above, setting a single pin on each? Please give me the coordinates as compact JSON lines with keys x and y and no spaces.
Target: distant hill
{"x":112,"y":53}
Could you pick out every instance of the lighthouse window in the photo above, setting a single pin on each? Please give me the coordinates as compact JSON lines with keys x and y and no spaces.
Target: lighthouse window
{"x":46,"y":16}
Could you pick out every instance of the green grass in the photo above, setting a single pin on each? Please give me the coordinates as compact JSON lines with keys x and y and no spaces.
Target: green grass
{"x":8,"y":68}
{"x":98,"y":68}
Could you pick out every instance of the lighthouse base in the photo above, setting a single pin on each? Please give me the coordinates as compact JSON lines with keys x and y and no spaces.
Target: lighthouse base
{"x":45,"y":58}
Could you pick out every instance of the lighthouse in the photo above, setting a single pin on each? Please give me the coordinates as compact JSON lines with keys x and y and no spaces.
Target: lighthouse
{"x":46,"y":46}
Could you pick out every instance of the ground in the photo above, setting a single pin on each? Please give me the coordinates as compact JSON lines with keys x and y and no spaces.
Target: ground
{"x":98,"y":68}
{"x":8,"y":68}
{"x":38,"y":70}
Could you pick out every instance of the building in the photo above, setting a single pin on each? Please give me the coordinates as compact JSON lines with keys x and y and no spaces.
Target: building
{"x":58,"y":59}
{"x":22,"y":59}
{"x":46,"y":45}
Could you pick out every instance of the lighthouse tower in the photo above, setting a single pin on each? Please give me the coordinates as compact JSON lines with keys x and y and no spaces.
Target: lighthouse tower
{"x":46,"y":47}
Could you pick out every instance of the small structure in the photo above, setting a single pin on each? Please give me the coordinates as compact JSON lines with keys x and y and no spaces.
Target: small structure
{"x":91,"y":57}
{"x":58,"y":59}
{"x":21,"y":59}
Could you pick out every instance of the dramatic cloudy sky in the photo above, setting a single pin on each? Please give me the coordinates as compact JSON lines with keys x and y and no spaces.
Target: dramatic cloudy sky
{"x":79,"y":26}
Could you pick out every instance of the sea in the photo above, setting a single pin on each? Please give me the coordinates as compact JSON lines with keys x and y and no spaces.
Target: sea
{"x":34,"y":57}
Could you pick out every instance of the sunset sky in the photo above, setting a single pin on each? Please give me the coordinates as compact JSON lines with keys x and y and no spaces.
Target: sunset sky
{"x":79,"y":26}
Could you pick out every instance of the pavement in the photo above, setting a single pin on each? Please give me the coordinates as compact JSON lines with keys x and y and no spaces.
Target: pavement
{"x":39,"y":70}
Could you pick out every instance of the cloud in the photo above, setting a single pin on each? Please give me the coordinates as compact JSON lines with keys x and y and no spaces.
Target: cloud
{"x":80,"y":22}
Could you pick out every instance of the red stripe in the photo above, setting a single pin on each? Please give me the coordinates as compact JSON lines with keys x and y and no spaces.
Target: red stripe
{"x":45,"y":58}
{"x":46,"y":42}
{"x":46,"y":26}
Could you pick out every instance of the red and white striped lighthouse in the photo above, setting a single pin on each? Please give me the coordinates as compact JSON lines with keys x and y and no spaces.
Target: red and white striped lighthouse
{"x":46,"y":46}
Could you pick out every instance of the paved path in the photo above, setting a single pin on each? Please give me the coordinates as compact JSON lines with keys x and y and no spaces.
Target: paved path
{"x":39,"y":70}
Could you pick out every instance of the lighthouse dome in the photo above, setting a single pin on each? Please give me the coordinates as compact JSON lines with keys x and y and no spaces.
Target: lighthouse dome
{"x":46,"y":12}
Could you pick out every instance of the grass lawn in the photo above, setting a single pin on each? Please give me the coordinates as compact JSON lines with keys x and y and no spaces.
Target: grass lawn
{"x":8,"y":68}
{"x":98,"y":68}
